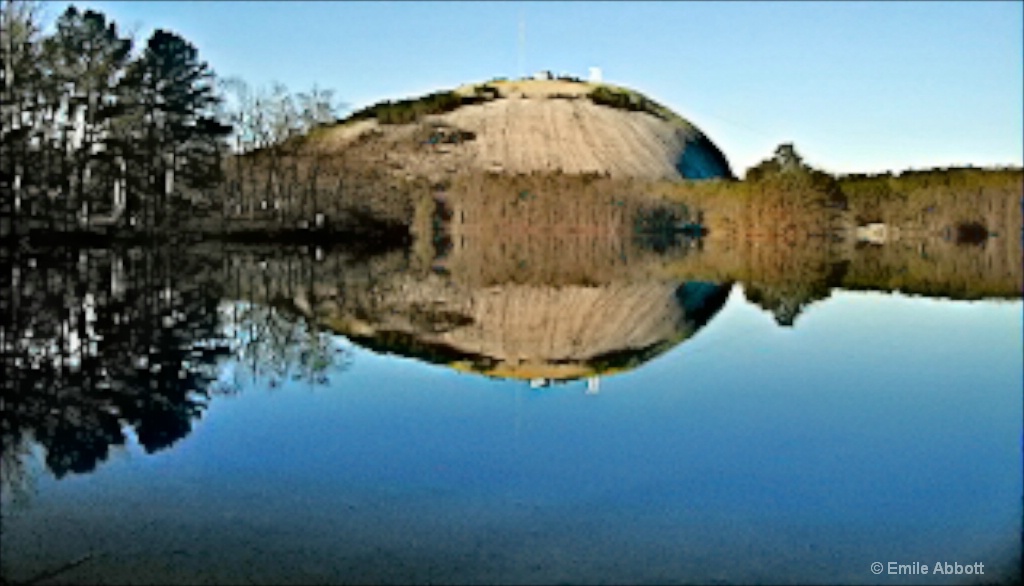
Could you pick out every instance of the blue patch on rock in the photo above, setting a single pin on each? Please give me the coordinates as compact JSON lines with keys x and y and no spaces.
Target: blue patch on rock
{"x":702,"y":160}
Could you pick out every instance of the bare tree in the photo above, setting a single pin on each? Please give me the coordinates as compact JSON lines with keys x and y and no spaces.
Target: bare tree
{"x":266,"y":121}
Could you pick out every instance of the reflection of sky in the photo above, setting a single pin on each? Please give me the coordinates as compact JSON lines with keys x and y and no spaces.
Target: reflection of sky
{"x":878,"y":428}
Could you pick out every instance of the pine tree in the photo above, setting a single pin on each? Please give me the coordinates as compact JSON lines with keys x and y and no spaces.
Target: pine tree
{"x":180,"y":142}
{"x":85,"y":61}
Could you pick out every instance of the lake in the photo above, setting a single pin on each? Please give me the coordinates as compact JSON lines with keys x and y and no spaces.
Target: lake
{"x":543,"y":410}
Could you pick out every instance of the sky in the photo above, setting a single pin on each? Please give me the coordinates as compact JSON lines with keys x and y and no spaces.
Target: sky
{"x":858,"y":87}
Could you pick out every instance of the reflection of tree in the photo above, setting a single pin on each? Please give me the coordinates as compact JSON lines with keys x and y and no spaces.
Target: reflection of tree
{"x":95,"y":346}
{"x":17,"y":477}
{"x":786,"y":302}
{"x":97,"y":341}
{"x":274,"y":345}
{"x":801,"y":277}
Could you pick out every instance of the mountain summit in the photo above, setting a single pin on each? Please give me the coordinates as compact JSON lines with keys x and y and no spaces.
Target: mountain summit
{"x":528,"y":126}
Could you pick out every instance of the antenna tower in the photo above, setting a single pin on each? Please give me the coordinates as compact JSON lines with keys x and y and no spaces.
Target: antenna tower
{"x":522,"y":41}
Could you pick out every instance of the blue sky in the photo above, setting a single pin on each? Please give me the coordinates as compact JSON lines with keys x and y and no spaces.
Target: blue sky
{"x":857,"y":86}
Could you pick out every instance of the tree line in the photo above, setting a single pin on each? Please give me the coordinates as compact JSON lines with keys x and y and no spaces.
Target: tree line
{"x":99,"y":130}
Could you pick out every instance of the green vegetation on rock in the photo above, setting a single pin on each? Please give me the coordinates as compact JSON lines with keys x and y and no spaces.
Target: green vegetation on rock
{"x":411,"y":110}
{"x":624,"y":99}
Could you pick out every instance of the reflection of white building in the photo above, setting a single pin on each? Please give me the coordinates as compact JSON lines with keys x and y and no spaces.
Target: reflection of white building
{"x":595,"y":75}
{"x":593,"y":383}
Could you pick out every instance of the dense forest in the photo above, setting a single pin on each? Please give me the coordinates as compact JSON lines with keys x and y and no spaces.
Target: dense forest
{"x":96,"y":133}
{"x":102,"y":132}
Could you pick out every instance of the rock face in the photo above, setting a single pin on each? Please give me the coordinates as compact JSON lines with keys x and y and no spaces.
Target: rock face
{"x":538,"y":127}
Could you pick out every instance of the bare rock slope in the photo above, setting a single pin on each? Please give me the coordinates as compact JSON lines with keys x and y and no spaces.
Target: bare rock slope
{"x":536,"y":126}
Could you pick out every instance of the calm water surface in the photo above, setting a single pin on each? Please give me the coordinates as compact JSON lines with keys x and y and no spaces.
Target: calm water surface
{"x":722,"y":448}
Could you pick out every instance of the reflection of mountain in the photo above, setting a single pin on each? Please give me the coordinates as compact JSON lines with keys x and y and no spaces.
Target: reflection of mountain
{"x":545,"y":276}
{"x":532,"y":277}
{"x":529,"y":332}
{"x":540,"y":276}
{"x":519,"y":328}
